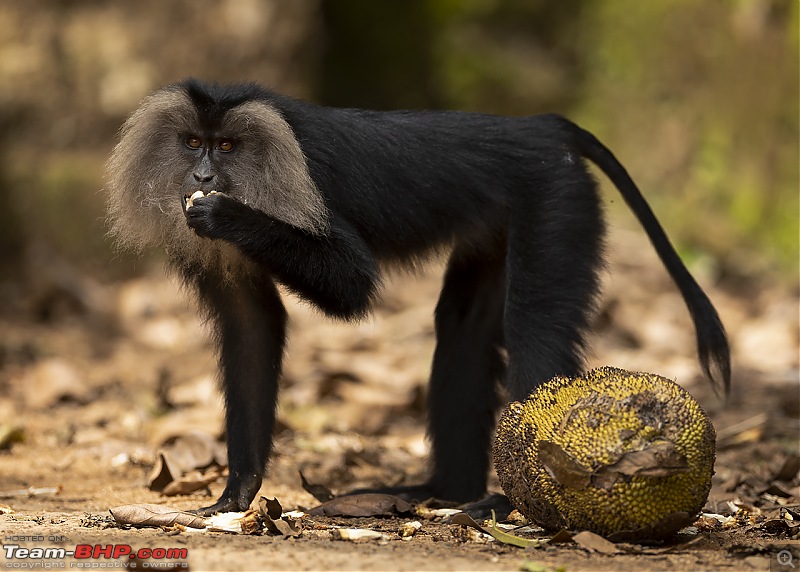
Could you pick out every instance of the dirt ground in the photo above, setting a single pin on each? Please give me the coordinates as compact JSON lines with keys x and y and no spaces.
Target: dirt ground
{"x":93,"y":388}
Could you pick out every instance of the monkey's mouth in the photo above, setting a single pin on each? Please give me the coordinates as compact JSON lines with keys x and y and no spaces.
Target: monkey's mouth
{"x":189,"y":198}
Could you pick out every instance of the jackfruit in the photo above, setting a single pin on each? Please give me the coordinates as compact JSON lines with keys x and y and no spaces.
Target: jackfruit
{"x":626,"y":455}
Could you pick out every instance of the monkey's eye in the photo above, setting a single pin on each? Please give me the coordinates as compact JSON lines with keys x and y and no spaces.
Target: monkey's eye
{"x":194,"y":142}
{"x":225,"y":145}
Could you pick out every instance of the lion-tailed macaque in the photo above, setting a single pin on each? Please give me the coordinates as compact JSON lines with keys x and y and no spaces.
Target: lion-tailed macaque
{"x":245,"y":188}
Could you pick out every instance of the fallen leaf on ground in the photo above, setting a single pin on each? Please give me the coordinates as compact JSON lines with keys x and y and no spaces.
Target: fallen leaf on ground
{"x":466,"y":520}
{"x":176,"y":468}
{"x":595,"y":543}
{"x":789,"y":469}
{"x":367,"y":504}
{"x":272,"y":514}
{"x":270,"y":508}
{"x":561,"y":537}
{"x":187,"y":484}
{"x":319,"y":492}
{"x":155,"y":515}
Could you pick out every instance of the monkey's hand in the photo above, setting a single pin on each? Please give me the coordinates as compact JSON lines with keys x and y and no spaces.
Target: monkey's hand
{"x":214,"y":215}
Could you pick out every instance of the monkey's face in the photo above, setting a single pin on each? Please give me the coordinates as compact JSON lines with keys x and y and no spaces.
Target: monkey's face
{"x":212,"y":157}
{"x":172,"y":147}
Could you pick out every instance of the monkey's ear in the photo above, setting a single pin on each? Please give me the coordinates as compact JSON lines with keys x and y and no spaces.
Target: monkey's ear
{"x":276,"y":179}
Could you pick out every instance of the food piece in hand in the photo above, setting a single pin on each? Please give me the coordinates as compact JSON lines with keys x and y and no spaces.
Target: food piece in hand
{"x":195,"y":195}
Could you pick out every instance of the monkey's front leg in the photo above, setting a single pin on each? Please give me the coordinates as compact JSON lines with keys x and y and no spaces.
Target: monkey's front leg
{"x":250,"y":325}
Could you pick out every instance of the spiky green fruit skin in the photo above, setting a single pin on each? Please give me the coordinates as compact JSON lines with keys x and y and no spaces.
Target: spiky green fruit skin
{"x":625,"y":455}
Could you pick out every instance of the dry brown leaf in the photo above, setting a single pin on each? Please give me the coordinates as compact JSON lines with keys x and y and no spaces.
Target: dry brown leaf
{"x":319,"y":492}
{"x":777,"y":491}
{"x":595,"y":543}
{"x":271,"y":513}
{"x":286,"y":528}
{"x":175,"y":469}
{"x":190,"y":483}
{"x":155,"y":515}
{"x":659,"y":458}
{"x":561,"y":537}
{"x":775,"y":526}
{"x":193,"y":450}
{"x":464,"y":519}
{"x":270,"y":508}
{"x":789,"y":469}
{"x":790,"y":515}
{"x":164,"y":472}
{"x":367,"y":504}
{"x":565,"y":469}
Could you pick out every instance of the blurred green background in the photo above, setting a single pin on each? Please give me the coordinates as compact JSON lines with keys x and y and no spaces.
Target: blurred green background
{"x":698,"y":99}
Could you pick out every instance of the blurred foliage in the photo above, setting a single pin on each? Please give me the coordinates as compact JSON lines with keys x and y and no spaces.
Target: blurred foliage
{"x":698,"y":99}
{"x":70,"y":72}
{"x":65,"y":213}
{"x":720,"y":120}
{"x":378,"y":55}
{"x":510,"y":56}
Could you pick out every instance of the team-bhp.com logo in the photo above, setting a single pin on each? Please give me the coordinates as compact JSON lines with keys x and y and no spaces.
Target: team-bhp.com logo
{"x":95,"y":556}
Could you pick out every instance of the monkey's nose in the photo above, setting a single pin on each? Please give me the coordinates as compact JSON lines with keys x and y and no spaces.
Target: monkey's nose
{"x":203,"y":177}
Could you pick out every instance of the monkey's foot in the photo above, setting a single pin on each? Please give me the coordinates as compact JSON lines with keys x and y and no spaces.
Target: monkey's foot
{"x":237,"y":496}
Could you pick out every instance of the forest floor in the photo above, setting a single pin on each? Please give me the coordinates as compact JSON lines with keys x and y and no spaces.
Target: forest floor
{"x":88,"y":398}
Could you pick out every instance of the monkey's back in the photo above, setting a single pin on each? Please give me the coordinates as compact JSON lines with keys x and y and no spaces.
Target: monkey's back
{"x":400,"y":174}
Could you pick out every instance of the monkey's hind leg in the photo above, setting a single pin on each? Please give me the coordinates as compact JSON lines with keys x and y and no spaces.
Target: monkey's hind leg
{"x":250,"y":325}
{"x":554,"y":258}
{"x":467,"y":367}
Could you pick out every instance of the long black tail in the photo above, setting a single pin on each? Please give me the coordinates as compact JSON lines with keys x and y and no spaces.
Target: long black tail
{"x":712,"y":343}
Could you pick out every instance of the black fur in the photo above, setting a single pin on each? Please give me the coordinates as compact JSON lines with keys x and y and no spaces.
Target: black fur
{"x":510,"y":196}
{"x":250,"y":328}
